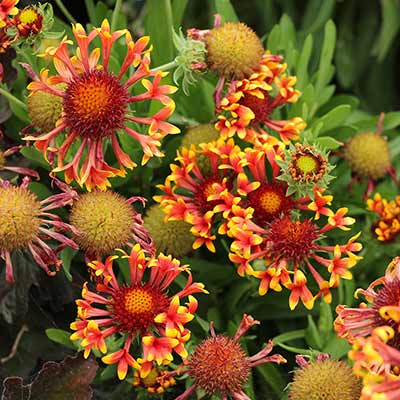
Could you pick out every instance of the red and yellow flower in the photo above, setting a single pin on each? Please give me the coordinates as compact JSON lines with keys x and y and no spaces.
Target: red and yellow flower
{"x":7,"y":8}
{"x":97,"y":106}
{"x":247,"y":108}
{"x":289,"y":245}
{"x":387,"y":226}
{"x":192,"y":194}
{"x":144,"y":312}
{"x":27,"y":224}
{"x":377,"y":361}
{"x":28,"y":21}
{"x":382,"y":307}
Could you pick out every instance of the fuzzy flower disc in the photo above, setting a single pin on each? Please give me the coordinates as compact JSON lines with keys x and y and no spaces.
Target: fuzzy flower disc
{"x":368,"y":155}
{"x":325,"y":380}
{"x":95,"y":104}
{"x":104,"y":221}
{"x":219,"y":365}
{"x":19,"y":218}
{"x":233,"y":50}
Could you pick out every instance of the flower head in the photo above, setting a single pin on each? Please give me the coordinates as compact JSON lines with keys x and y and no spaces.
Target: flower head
{"x":28,"y":21}
{"x":368,"y":156}
{"x":97,"y":105}
{"x":105,"y":221}
{"x":155,"y":381}
{"x":144,"y":311}
{"x":382,"y":307}
{"x":28,"y":224}
{"x":220,"y":366}
{"x":7,"y":8}
{"x":377,"y":362}
{"x":246,"y":111}
{"x":192,"y":194}
{"x":172,"y":237}
{"x":324,"y":379}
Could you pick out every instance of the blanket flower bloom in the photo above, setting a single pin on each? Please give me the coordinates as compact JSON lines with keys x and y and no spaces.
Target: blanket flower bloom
{"x":387,"y":226}
{"x":27,"y":224}
{"x":7,"y":8}
{"x":96,"y":105}
{"x":28,"y":21}
{"x":189,"y":189}
{"x":324,"y":379}
{"x":377,"y":362}
{"x":220,"y":366}
{"x":382,"y":308}
{"x":289,"y":245}
{"x":246,"y":110}
{"x":144,"y":312}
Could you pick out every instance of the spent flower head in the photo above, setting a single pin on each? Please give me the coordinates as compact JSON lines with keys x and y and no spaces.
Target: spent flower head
{"x":143,"y":310}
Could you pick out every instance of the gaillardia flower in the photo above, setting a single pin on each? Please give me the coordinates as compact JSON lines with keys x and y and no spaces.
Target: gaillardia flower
{"x":377,"y":362}
{"x":28,"y":21}
{"x":170,"y":237}
{"x":145,"y":313}
{"x":26,"y":224}
{"x":281,"y":251}
{"x":246,"y":110}
{"x":189,"y":191}
{"x":98,"y":106}
{"x":19,"y":170}
{"x":368,"y":156}
{"x":155,"y":381}
{"x":382,"y":308}
{"x":105,"y":221}
{"x":220,"y":366}
{"x":324,"y":379}
{"x":387,"y":226}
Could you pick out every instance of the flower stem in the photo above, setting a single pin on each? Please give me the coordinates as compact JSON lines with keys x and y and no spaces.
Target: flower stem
{"x":91,"y":10}
{"x":13,"y":99}
{"x":64,"y":10}
{"x":165,"y":67}
{"x":115,"y":15}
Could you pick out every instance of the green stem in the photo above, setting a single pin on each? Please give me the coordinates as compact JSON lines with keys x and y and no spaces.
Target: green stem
{"x":115,"y":15}
{"x":165,"y":67}
{"x":66,"y":13}
{"x":13,"y":99}
{"x":91,"y":10}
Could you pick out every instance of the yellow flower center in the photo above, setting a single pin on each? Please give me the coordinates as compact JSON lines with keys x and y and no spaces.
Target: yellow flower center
{"x":138,"y":300}
{"x":19,"y":218}
{"x":151,"y":378}
{"x":28,"y":16}
{"x":306,"y":164}
{"x":209,"y":190}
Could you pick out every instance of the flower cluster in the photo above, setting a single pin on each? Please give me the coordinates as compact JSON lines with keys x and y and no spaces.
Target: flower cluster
{"x":387,"y":226}
{"x":377,"y":361}
{"x":96,"y":104}
{"x":141,"y":310}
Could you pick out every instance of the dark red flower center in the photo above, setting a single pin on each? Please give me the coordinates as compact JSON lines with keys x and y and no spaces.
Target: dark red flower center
{"x":269,"y":202}
{"x":292,"y":240}
{"x":205,"y":190}
{"x":95,"y":104}
{"x":134,"y":307}
{"x":219,"y":365}
{"x":262,"y":108}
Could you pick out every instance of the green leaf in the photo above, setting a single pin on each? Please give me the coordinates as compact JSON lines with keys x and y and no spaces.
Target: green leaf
{"x":66,"y":257}
{"x":390,"y":27}
{"x":60,"y":336}
{"x":33,"y":154}
{"x":317,"y":14}
{"x":226,"y":10}
{"x":302,"y":65}
{"x":285,"y":337}
{"x":273,"y":376}
{"x":328,"y":47}
{"x":325,"y":321}
{"x":158,"y":25}
{"x":312,"y":336}
{"x":336,"y":347}
{"x":334,"y":117}
{"x":274,"y":38}
{"x":328,"y":143}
